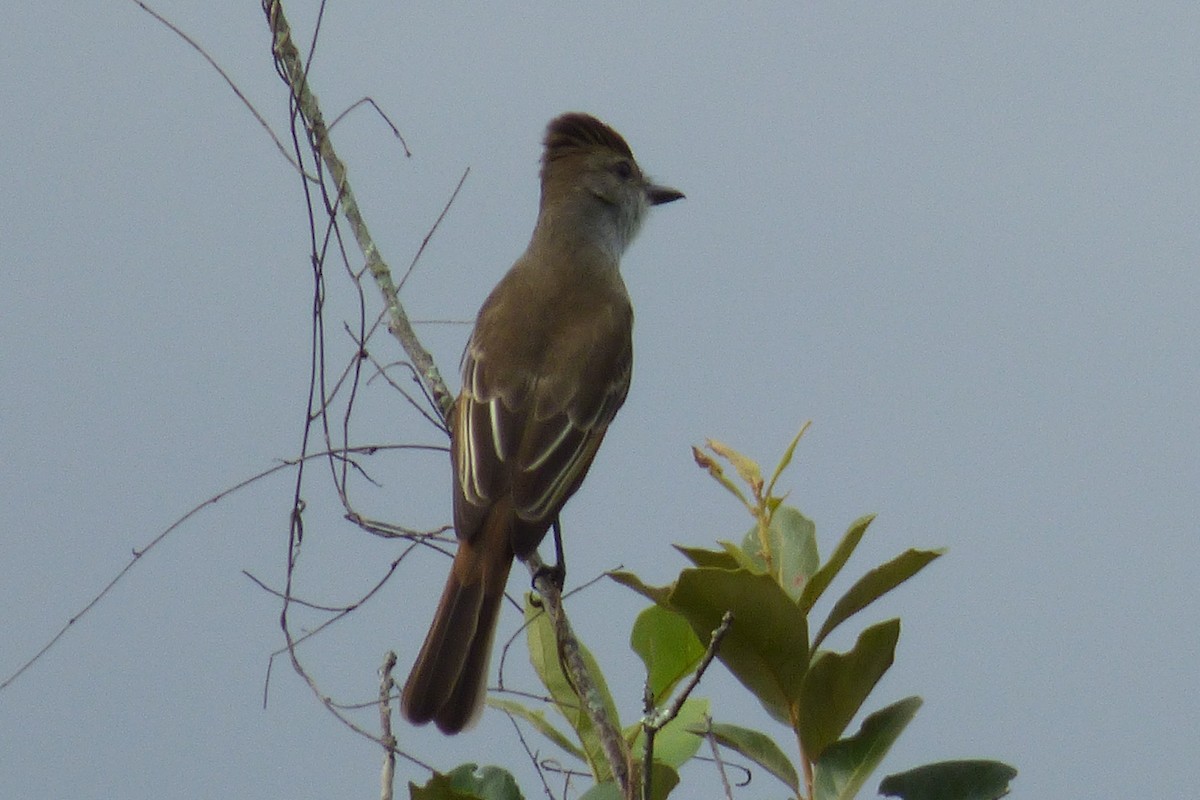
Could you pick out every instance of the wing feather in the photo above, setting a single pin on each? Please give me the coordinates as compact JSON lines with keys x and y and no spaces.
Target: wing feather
{"x":530,"y":420}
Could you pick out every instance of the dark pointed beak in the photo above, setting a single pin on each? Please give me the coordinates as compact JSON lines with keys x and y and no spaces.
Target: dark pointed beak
{"x":657,"y":195}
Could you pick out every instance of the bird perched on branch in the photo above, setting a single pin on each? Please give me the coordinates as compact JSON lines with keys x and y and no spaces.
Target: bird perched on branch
{"x":544,"y":372}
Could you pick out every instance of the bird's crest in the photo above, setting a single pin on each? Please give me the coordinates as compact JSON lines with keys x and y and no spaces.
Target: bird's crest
{"x":570,"y":133}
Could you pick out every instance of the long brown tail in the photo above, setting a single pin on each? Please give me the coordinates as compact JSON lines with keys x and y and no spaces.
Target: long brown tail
{"x":449,"y":679}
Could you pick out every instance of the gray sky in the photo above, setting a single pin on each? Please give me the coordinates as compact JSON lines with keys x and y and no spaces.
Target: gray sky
{"x":959,"y":238}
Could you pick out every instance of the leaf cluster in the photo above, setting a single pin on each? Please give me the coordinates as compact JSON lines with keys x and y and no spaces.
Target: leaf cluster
{"x":769,"y":583}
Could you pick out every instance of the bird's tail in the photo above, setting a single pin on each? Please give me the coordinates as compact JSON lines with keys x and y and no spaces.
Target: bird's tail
{"x":448,"y":682}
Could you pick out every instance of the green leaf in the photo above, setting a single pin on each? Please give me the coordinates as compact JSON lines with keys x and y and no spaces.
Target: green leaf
{"x":741,"y":555}
{"x":674,"y":745}
{"x":951,"y":780}
{"x":602,"y":791}
{"x":664,"y":780}
{"x":721,"y":559}
{"x":543,"y":655}
{"x":873,"y":585}
{"x":756,"y":746}
{"x":785,"y":460}
{"x":439,"y":787}
{"x":837,"y":684}
{"x":467,"y":782}
{"x":538,"y":720}
{"x":845,"y":765}
{"x":667,"y":646}
{"x":655,"y":594}
{"x":792,"y":538}
{"x":837,"y":559}
{"x":767,"y":645}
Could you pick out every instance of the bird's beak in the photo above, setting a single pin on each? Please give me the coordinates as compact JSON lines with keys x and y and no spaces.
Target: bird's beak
{"x":657,"y":195}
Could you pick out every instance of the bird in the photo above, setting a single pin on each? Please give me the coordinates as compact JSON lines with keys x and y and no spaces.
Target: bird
{"x":546,"y":368}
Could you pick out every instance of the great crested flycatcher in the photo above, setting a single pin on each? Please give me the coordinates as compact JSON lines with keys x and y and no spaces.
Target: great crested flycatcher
{"x":543,"y":375}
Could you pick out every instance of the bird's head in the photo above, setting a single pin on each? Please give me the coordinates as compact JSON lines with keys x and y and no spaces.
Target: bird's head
{"x":589,"y":174}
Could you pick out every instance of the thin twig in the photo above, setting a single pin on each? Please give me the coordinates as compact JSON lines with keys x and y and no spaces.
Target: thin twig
{"x":648,"y":748}
{"x":387,"y":776}
{"x":616,"y":751}
{"x":292,"y":70}
{"x":432,"y":230}
{"x":245,"y":101}
{"x":660,"y":719}
{"x":716,"y":754}
{"x":371,"y":101}
{"x":340,"y":615}
{"x":511,"y":640}
{"x":554,"y":765}
{"x":381,"y":371}
{"x":390,"y":530}
{"x":304,"y":603}
{"x":533,"y":758}
{"x":655,"y":721}
{"x":294,"y":538}
{"x":139,"y":552}
{"x":294,"y":73}
{"x":372,"y":703}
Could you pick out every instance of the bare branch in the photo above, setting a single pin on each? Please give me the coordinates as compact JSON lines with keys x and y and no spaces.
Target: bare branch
{"x":388,"y":775}
{"x":371,"y":101}
{"x":616,"y":751}
{"x":432,"y":230}
{"x":716,"y":754}
{"x":139,"y":552}
{"x":658,"y":720}
{"x":293,"y":72}
{"x":294,"y":539}
{"x":655,"y":721}
{"x":246,"y":102}
{"x":532,"y":756}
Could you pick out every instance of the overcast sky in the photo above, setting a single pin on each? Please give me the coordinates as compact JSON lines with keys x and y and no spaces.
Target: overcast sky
{"x":960,"y":238}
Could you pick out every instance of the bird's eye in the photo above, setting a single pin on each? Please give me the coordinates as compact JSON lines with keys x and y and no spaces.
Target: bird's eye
{"x":623,"y":170}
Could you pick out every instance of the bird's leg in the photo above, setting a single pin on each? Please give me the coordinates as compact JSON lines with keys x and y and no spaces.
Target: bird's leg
{"x":558,"y":572}
{"x":560,"y":562}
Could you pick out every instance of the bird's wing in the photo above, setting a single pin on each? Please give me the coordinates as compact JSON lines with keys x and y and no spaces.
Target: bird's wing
{"x":534,"y":435}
